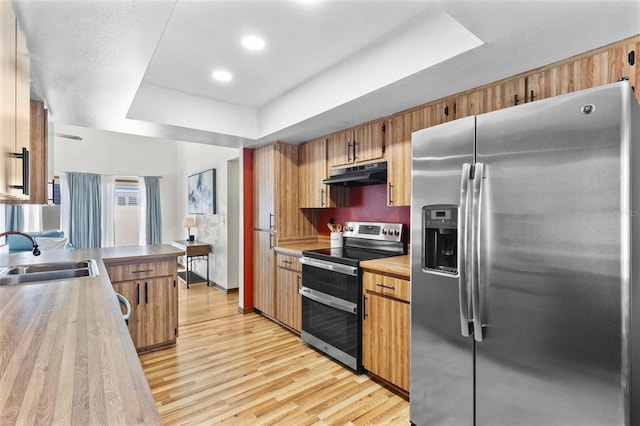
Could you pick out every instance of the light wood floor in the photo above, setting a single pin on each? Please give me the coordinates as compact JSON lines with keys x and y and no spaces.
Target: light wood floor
{"x":239,"y":369}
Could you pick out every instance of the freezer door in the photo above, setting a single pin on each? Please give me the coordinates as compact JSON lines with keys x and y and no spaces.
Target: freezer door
{"x":441,"y":358}
{"x":550,"y":264}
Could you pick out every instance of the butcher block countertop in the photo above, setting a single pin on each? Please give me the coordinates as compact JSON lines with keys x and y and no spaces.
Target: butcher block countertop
{"x":296,"y":247}
{"x":66,"y":356}
{"x":399,"y":266}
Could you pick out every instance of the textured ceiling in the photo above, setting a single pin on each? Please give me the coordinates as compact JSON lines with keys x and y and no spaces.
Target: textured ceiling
{"x":144,"y":67}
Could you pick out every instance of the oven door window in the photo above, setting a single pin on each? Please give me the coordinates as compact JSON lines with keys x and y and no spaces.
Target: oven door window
{"x":342,"y":286}
{"x":333,"y":326}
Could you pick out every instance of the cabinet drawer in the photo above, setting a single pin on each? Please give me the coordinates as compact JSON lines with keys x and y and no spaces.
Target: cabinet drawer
{"x":136,"y":271}
{"x":289,"y":262}
{"x":386,"y":285}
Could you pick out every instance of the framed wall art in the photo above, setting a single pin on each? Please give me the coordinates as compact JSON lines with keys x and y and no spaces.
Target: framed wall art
{"x":201,"y":192}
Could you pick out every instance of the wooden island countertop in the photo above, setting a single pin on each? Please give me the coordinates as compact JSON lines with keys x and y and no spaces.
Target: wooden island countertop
{"x":66,"y":356}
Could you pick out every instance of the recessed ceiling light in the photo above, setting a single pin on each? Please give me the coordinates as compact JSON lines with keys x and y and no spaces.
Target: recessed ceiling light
{"x":253,"y":43}
{"x":222,"y":75}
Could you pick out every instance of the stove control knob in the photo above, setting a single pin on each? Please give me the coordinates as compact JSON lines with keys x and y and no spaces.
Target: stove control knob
{"x":397,"y":232}
{"x":384,"y":232}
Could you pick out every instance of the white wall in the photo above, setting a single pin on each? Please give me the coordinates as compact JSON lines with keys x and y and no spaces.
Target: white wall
{"x":122,"y":154}
{"x":194,"y":158}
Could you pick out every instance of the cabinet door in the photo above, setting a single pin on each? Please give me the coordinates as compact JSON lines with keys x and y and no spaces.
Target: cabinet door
{"x":470,"y":103}
{"x":385,"y":348}
{"x":369,"y":141}
{"x":263,"y":272}
{"x":312,"y":164}
{"x":631,"y":68}
{"x":8,"y":98}
{"x":550,"y":82}
{"x":288,"y":302}
{"x":131,"y":290}
{"x":399,"y":161}
{"x":341,"y":148}
{"x":505,"y":94}
{"x":313,"y":169}
{"x":160,"y":321}
{"x":432,"y":114}
{"x":23,"y":107}
{"x":264,"y":187}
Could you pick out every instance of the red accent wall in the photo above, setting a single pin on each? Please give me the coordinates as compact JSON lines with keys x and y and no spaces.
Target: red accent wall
{"x":247,"y":201}
{"x":368,"y":204}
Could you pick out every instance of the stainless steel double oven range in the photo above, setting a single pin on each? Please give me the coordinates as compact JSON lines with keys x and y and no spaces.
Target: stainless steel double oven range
{"x":332,"y":288}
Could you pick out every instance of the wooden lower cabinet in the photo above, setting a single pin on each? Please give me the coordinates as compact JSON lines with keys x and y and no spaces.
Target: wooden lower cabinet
{"x":153,"y":294}
{"x":263,"y":272}
{"x":385,"y":328}
{"x":288,"y":300}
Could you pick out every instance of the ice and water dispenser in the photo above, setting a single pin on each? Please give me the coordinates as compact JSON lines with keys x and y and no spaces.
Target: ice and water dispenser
{"x":440,"y":234}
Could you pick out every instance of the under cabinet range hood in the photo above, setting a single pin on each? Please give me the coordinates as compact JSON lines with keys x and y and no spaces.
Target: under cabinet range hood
{"x":367,"y":174}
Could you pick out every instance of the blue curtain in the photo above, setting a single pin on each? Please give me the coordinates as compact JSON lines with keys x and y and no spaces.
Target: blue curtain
{"x":154,"y":213}
{"x":13,"y":218}
{"x":84,"y":210}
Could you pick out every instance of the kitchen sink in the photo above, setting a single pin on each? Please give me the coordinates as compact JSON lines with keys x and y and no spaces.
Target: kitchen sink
{"x":21,"y":274}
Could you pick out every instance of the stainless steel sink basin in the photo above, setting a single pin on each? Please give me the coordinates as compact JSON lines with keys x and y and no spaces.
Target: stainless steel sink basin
{"x":20,"y":274}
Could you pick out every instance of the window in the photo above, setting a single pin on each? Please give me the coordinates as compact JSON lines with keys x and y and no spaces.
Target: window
{"x":127,"y":192}
{"x":126,"y":211}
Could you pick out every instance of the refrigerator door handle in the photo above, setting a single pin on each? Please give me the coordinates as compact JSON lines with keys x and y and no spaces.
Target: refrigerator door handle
{"x":476,"y":313}
{"x":463,"y":258}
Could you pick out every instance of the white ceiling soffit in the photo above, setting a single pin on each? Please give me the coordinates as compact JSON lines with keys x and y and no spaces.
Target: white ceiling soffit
{"x":96,"y":62}
{"x":427,"y":39}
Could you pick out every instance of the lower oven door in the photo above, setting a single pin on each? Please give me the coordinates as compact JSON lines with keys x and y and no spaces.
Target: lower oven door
{"x":331,"y":325}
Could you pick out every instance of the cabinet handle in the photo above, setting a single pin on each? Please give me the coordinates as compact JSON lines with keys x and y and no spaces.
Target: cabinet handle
{"x":270,"y":241}
{"x":321,"y":197}
{"x":288,"y":262}
{"x":271,"y":216}
{"x":299,"y":282}
{"x":532,"y":96}
{"x":355,"y":150}
{"x":24,"y":155}
{"x":146,"y":292}
{"x":515,"y":99}
{"x":386,"y":286}
{"x":364,"y":307}
{"x":142,"y":271}
{"x":389,"y":186}
{"x":138,"y":292}
{"x":348,"y":153}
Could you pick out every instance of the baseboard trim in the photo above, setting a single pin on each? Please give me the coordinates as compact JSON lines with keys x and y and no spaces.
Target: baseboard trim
{"x":243,"y":311}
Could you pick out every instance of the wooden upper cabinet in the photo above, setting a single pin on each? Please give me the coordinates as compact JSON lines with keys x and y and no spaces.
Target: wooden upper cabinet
{"x":312,"y":165}
{"x":364,"y":143}
{"x":631,"y":68}
{"x":341,"y":148}
{"x":505,"y":94}
{"x":369,"y":141}
{"x":399,"y":160}
{"x":312,"y":170}
{"x":7,"y":99}
{"x":432,"y":114}
{"x":470,"y":103}
{"x":264,"y":187}
{"x":603,"y":66}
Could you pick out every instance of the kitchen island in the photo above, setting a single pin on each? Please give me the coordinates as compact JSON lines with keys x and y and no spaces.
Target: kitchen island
{"x":66,"y":356}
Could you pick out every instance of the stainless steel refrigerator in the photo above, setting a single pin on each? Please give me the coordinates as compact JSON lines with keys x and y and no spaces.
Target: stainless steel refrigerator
{"x":525,"y":296}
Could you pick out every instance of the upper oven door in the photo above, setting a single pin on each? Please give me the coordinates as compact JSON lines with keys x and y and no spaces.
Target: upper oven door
{"x":340,"y":281}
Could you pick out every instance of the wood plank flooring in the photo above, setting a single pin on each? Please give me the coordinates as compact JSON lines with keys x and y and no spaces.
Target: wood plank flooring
{"x":229,"y":368}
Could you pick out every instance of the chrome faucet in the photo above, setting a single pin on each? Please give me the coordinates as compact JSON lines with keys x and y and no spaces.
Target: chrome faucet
{"x":36,"y":250}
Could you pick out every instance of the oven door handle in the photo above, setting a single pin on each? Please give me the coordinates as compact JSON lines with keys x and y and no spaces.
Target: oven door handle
{"x":329,"y":266}
{"x":329,"y":300}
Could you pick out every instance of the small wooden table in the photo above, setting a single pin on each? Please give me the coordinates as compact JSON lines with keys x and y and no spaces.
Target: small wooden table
{"x":193,"y":250}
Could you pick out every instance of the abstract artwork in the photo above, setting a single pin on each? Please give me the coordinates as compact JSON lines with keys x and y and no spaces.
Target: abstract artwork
{"x":202,"y":192}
